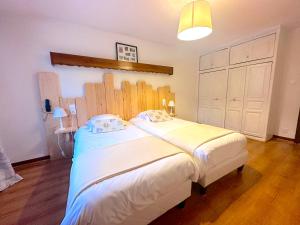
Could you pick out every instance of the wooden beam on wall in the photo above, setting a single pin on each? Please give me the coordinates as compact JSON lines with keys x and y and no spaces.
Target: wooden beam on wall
{"x":77,"y":60}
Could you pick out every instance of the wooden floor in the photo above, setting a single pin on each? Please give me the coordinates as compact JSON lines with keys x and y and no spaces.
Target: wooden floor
{"x":267,"y":192}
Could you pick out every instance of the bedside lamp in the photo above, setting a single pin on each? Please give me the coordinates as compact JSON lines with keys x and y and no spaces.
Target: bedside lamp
{"x":171,"y":105}
{"x":59,"y":113}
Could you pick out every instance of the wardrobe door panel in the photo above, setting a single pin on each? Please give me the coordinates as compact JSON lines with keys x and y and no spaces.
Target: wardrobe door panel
{"x":256,"y":99}
{"x":259,"y":48}
{"x":235,"y":98}
{"x":240,"y":53}
{"x":212,"y":98}
{"x":257,"y":83}
{"x":203,"y":115}
{"x":204,"y":100}
{"x":233,"y":120}
{"x":220,"y":58}
{"x":216,"y":117}
{"x":236,"y":86}
{"x":204,"y":90}
{"x":263,"y":47}
{"x":252,"y":123}
{"x":218,"y":97}
{"x":218,"y":88}
{"x":206,"y":62}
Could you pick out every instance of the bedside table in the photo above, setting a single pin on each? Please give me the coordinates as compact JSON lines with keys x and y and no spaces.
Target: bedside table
{"x":68,"y":134}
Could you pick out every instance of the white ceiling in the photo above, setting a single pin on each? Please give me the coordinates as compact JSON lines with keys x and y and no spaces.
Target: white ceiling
{"x":157,"y":20}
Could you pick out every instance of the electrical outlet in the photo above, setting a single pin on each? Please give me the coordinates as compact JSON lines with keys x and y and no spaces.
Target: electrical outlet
{"x":72,"y":109}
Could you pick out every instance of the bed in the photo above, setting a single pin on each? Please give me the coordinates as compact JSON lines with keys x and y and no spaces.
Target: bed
{"x":134,"y":195}
{"x":219,"y":151}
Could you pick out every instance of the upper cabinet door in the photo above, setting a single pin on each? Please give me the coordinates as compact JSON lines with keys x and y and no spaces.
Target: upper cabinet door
{"x":259,"y":48}
{"x":240,"y":53}
{"x":220,"y":58}
{"x":214,"y":60}
{"x":206,"y":62}
{"x":263,"y":47}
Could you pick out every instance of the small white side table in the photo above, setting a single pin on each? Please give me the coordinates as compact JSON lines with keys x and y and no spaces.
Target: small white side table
{"x":68,"y":133}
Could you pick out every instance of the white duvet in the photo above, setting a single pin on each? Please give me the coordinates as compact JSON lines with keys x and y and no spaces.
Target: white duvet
{"x":207,"y":155}
{"x":113,"y":200}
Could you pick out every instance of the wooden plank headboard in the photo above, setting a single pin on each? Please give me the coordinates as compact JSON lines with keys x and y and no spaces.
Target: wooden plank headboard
{"x":100,"y":98}
{"x":126,"y":102}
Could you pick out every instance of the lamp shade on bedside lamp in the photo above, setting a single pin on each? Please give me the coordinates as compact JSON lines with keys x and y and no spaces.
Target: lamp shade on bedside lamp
{"x":171,"y":103}
{"x":59,"y":113}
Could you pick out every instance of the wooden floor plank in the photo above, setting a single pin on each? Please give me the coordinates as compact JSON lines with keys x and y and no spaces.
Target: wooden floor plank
{"x":266,"y":193}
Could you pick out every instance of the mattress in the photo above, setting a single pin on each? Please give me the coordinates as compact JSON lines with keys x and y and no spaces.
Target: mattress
{"x":115,"y":199}
{"x":208,"y":155}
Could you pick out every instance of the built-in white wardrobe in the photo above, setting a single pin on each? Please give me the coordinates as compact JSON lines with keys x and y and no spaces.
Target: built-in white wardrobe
{"x":235,"y":86}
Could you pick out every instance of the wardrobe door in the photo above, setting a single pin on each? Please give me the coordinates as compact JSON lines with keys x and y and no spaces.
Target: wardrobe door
{"x":240,"y":53}
{"x":256,"y":99}
{"x":206,"y":62}
{"x":235,"y":98}
{"x":220,"y":58}
{"x":218,"y":91}
{"x":204,"y":99}
{"x":263,"y":47}
{"x":212,"y":98}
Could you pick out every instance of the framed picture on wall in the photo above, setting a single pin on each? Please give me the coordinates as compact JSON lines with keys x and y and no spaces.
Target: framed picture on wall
{"x":126,"y":52}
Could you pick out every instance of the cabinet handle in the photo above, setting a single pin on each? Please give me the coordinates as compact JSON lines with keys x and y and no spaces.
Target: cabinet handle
{"x":234,"y":99}
{"x":216,"y":99}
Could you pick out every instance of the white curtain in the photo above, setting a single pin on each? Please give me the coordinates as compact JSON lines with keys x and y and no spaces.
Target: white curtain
{"x":8,"y":176}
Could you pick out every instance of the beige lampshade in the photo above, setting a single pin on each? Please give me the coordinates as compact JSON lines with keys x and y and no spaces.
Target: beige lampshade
{"x":171,"y":103}
{"x":195,"y":21}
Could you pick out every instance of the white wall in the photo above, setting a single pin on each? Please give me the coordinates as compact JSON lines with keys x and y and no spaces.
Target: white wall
{"x":288,"y":101}
{"x":25,"y":44}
